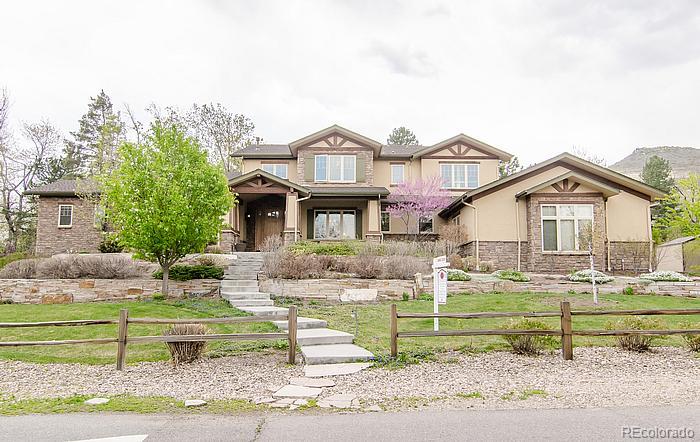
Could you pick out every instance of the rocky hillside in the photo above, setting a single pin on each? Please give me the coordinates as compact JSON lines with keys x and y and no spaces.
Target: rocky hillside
{"x":683,"y":160}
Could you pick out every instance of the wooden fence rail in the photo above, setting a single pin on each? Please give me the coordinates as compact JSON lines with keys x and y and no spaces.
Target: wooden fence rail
{"x":123,"y":338}
{"x":566,"y":331}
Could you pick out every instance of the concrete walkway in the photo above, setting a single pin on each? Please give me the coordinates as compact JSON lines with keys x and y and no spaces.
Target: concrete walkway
{"x":330,"y":352}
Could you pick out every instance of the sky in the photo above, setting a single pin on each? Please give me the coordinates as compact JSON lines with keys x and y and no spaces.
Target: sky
{"x":533,"y":78}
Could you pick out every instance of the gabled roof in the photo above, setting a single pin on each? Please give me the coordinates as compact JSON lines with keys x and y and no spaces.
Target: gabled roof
{"x":606,"y":190}
{"x":65,"y":187}
{"x":678,"y":241}
{"x":264,"y":151}
{"x":257,"y":173}
{"x":400,"y":150}
{"x":461,"y":138}
{"x":335,"y":129}
{"x":585,"y":168}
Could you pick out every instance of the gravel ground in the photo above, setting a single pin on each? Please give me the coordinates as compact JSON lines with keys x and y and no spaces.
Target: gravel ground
{"x":597,"y":377}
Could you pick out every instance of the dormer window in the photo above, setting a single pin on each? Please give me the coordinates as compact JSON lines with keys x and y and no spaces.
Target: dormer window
{"x":335,"y":168}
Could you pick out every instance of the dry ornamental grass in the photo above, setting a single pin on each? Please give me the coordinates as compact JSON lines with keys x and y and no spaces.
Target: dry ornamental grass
{"x":186,"y":351}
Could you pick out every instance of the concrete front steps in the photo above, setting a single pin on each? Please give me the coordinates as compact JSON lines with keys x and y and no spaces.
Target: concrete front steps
{"x":318,"y":344}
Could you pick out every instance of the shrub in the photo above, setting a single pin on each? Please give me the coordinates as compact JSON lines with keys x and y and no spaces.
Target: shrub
{"x":511,"y":275}
{"x":585,"y":276}
{"x":158,"y":297}
{"x":455,"y":261}
{"x":638,"y":343}
{"x":665,"y":276}
{"x":367,"y":266}
{"x":403,"y":267}
{"x":185,"y":273}
{"x":453,"y":236}
{"x":486,"y":266}
{"x":12,"y":257}
{"x":331,"y":248}
{"x":87,"y":266}
{"x":271,"y":244}
{"x":426,"y":249}
{"x":528,"y":344}
{"x":214,"y":249}
{"x":22,"y":269}
{"x":629,"y":291}
{"x":110,"y":244}
{"x":286,"y":265}
{"x":691,"y":341}
{"x":457,"y":275}
{"x":404,"y":296}
{"x":469,"y":263}
{"x":187,"y":351}
{"x":211,"y":260}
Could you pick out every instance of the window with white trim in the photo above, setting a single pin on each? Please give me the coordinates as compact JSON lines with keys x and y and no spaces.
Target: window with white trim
{"x":334,"y":168}
{"x":334,"y":224}
{"x":277,"y":169}
{"x":65,"y":215}
{"x":566,"y":227}
{"x":397,"y":176}
{"x":459,"y":175}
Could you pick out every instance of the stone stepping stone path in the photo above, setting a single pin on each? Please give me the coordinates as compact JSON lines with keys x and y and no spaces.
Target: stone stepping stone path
{"x":326,"y":352}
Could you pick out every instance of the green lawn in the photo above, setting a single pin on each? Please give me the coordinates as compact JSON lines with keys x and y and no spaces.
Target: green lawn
{"x":106,"y":353}
{"x":373,"y":320}
{"x":373,"y":324}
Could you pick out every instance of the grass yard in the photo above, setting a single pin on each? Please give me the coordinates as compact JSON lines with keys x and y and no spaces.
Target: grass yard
{"x":373,"y":320}
{"x":106,"y":353}
{"x":372,"y":326}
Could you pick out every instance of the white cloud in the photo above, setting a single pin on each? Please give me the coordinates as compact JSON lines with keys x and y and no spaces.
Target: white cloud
{"x":533,"y":78}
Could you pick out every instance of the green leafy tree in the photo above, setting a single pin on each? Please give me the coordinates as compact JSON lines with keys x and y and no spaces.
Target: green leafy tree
{"x":165,"y":199}
{"x":683,"y":217}
{"x":657,"y":173}
{"x":93,"y":149}
{"x":509,"y":168}
{"x":402,"y":136}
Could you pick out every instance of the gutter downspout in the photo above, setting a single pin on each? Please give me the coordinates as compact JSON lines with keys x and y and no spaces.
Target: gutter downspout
{"x":296,"y":218}
{"x":476,"y":233}
{"x":517,"y":227}
{"x":379,"y":214}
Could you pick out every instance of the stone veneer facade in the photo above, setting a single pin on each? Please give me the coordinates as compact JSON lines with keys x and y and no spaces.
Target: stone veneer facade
{"x":82,"y":237}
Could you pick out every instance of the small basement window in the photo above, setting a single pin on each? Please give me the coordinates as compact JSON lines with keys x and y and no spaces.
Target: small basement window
{"x":65,"y":215}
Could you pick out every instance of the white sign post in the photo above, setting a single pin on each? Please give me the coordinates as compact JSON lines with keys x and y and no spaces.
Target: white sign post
{"x":439,"y":286}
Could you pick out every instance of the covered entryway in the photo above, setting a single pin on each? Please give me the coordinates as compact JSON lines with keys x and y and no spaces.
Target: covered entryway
{"x":264,"y":218}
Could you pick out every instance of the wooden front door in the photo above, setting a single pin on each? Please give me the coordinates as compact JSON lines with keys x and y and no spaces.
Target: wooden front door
{"x":268,"y":216}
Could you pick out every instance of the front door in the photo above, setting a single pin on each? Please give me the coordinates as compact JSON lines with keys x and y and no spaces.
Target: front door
{"x":268,"y":216}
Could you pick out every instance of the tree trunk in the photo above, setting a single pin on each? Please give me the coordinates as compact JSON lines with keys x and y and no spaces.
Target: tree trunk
{"x":164,"y":285}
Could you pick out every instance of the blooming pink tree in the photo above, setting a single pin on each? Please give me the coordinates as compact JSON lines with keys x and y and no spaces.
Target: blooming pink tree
{"x":413,"y":200}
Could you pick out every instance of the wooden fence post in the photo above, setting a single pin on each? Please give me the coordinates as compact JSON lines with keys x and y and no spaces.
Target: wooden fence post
{"x":292,"y":333}
{"x":394,"y":331}
{"x":567,"y":347}
{"x":121,"y":338}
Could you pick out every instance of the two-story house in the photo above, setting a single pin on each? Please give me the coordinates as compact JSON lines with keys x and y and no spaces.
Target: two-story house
{"x":334,"y":184}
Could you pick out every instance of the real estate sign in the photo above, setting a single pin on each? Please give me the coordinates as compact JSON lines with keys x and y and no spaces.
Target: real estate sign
{"x":439,"y":286}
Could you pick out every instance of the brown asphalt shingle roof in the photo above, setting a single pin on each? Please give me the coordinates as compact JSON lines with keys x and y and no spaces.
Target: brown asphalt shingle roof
{"x":64,"y":187}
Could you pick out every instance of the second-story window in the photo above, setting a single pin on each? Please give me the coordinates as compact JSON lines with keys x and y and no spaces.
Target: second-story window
{"x":335,"y":168}
{"x":278,"y":169}
{"x":459,"y":175}
{"x":397,"y":174}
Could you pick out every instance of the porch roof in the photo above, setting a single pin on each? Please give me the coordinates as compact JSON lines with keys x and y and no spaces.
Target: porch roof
{"x":348,"y":191}
{"x":259,"y":173}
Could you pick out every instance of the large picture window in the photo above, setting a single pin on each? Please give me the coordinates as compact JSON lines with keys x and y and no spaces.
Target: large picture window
{"x":335,"y":168}
{"x":566,"y":227}
{"x":277,"y":169}
{"x":334,"y":224}
{"x":459,"y":175}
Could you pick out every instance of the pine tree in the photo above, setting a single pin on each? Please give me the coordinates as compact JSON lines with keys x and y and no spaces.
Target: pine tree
{"x":93,"y":149}
{"x":657,"y":173}
{"x":402,"y":136}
